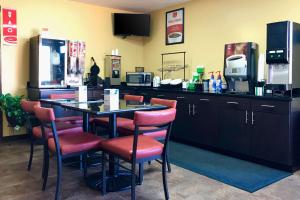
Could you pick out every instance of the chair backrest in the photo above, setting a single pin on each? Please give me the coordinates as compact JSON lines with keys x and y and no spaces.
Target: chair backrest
{"x":128,"y":97}
{"x":154,"y":118}
{"x":160,"y":120}
{"x":63,"y":96}
{"x":45,"y":115}
{"x":164,"y":102}
{"x":28,"y":106}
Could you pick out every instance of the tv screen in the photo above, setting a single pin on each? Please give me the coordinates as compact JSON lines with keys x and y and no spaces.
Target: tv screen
{"x":131,"y":24}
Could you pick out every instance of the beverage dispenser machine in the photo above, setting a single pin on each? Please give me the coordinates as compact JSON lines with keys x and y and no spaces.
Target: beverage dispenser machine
{"x":112,"y":70}
{"x":240,"y":66}
{"x":282,"y":57}
{"x":48,"y":62}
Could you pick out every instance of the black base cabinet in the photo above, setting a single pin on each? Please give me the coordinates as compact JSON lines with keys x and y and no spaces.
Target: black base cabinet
{"x":266,"y":130}
{"x":270,"y":132}
{"x":234,"y":134}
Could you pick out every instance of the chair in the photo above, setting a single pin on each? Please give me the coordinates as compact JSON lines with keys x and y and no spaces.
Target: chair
{"x":69,"y":119}
{"x":121,"y":121}
{"x":159,"y":135}
{"x":34,"y":128}
{"x":137,"y":149}
{"x":28,"y":108}
{"x":64,"y":146}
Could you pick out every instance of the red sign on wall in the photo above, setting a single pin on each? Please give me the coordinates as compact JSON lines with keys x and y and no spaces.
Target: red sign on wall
{"x":9,"y":26}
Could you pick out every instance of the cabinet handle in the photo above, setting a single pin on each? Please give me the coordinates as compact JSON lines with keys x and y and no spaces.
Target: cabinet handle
{"x":194,"y":109}
{"x":246,"y":120}
{"x":179,"y":97}
{"x":189,"y":109}
{"x":160,"y":95}
{"x":232,"y":102}
{"x":204,"y":99}
{"x":252,"y":116}
{"x":267,"y":106}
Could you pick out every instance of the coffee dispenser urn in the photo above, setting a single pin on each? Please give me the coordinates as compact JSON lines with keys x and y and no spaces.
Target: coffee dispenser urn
{"x":112,"y":70}
{"x":240,"y":66}
{"x":282,"y":57}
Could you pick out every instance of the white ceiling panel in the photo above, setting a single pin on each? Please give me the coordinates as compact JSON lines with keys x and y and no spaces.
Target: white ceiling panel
{"x":143,"y":6}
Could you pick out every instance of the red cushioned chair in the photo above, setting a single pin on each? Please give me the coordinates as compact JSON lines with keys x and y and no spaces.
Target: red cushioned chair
{"x":69,"y":119}
{"x":121,"y":121}
{"x":28,"y":108}
{"x":34,"y":128}
{"x":67,"y":145}
{"x":159,"y":135}
{"x":138,"y":148}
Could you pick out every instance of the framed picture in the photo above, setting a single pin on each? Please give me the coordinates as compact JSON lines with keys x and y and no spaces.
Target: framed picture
{"x":175,"y":26}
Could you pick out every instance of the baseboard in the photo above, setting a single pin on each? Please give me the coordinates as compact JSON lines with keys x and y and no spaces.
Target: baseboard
{"x":14,"y":137}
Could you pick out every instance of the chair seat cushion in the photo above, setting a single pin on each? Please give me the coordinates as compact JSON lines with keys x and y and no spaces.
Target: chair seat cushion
{"x":129,"y":130}
{"x":76,"y":143}
{"x":122,"y":146}
{"x":104,"y":121}
{"x":62,"y":128}
{"x":70,"y":119}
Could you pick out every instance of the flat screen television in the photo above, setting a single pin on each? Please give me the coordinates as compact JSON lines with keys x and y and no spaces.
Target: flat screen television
{"x":131,"y":24}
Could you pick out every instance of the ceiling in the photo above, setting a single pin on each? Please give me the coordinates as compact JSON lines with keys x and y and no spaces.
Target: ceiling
{"x":144,"y":6}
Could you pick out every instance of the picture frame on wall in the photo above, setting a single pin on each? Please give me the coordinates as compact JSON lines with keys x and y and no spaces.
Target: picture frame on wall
{"x":175,"y":26}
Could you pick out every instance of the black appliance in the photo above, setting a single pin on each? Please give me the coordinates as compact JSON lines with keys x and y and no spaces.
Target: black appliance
{"x":240,"y":66}
{"x":126,"y":24}
{"x":282,"y":57}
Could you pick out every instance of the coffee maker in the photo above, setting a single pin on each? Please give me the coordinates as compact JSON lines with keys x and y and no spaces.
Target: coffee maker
{"x":282,"y":57}
{"x":240,"y":66}
{"x":112,"y":70}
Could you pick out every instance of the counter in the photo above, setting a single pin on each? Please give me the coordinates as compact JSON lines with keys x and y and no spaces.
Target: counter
{"x":227,"y":94}
{"x":264,"y":129}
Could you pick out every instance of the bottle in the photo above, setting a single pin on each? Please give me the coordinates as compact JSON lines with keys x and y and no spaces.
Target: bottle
{"x":212,"y":83}
{"x":219,"y":82}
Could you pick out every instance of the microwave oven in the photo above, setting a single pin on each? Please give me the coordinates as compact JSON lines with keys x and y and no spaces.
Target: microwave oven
{"x":138,"y":78}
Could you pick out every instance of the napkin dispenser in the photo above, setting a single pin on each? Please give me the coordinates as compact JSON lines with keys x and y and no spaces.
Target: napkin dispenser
{"x":111,"y":99}
{"x":81,"y":94}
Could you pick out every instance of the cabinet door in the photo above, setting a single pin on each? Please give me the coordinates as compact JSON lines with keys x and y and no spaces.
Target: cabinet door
{"x":234,"y":125}
{"x":270,"y":138}
{"x":181,"y":124}
{"x":204,"y":112}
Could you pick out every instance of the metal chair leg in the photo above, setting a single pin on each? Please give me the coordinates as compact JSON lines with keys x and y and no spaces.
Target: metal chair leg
{"x":45,"y":152}
{"x":45,"y":169}
{"x":164,"y":176}
{"x":133,"y":179}
{"x":31,"y":154}
{"x":84,"y":165}
{"x":58,"y":178}
{"x":103,"y":174}
{"x":141,"y":173}
{"x":168,"y":163}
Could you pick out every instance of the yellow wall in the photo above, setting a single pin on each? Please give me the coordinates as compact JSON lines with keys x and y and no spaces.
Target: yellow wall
{"x":210,"y":24}
{"x":65,"y":19}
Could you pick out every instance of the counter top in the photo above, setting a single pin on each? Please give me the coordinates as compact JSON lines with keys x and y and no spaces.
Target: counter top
{"x":228,"y":94}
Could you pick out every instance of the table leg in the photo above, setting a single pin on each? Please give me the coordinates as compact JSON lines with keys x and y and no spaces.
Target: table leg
{"x":85,"y":128}
{"x":85,"y":125}
{"x":112,"y":134}
{"x":117,"y":179}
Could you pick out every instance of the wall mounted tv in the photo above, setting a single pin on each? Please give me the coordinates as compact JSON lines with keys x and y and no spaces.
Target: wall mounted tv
{"x":126,"y":24}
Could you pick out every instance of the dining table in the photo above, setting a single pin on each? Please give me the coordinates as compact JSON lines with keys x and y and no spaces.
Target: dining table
{"x":118,"y":179}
